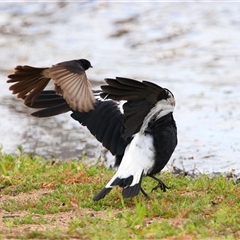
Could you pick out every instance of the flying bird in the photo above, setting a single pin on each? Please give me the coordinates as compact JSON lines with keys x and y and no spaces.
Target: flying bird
{"x":69,"y":78}
{"x":142,"y":134}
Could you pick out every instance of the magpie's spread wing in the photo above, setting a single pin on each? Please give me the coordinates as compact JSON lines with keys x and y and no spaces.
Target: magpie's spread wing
{"x":104,"y":122}
{"x":141,"y":98}
{"x":50,"y":104}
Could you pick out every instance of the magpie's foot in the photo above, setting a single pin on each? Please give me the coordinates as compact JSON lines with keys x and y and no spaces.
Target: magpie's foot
{"x":145,"y":194}
{"x":160,"y":184}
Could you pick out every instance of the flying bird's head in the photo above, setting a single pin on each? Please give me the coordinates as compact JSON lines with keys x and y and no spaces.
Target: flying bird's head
{"x":85,"y":64}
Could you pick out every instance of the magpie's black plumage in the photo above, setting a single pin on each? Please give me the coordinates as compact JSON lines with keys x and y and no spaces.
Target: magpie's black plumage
{"x":142,"y":137}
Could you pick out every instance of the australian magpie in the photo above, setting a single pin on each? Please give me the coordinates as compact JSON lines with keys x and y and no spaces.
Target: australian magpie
{"x":142,"y":134}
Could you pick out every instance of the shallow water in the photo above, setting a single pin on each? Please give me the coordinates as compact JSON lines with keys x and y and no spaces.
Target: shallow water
{"x":190,"y":48}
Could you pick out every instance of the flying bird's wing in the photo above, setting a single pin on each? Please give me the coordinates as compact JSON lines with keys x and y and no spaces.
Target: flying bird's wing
{"x":72,"y":83}
{"x":141,"y":98}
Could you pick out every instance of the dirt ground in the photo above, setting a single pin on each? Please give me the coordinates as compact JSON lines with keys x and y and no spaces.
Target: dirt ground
{"x":61,"y":220}
{"x":53,"y":221}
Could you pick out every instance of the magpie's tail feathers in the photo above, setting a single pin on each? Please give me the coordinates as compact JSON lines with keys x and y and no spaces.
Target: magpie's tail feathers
{"x":102,"y":194}
{"x":133,"y":191}
{"x":28,"y":81}
{"x":131,"y":186}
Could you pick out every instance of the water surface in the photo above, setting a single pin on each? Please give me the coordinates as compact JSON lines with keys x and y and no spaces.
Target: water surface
{"x":190,"y":48}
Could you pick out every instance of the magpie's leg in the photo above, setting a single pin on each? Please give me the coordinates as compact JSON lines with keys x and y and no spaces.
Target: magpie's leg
{"x":145,"y":194}
{"x":160,"y":184}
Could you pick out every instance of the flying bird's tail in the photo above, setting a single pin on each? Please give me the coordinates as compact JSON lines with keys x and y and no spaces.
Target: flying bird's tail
{"x":131,"y":185}
{"x":30,"y":80}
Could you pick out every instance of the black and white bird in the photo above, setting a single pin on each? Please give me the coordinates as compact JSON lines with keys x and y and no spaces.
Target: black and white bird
{"x":142,"y":135}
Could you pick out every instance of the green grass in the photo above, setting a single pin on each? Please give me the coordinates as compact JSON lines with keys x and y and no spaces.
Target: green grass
{"x":201,"y":208}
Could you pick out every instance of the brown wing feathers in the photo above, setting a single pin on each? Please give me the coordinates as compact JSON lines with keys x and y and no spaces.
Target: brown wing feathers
{"x":74,"y":87}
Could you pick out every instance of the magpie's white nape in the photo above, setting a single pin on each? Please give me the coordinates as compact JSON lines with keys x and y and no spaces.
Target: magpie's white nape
{"x":142,"y":137}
